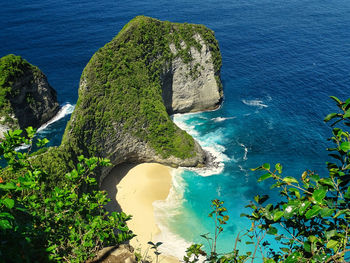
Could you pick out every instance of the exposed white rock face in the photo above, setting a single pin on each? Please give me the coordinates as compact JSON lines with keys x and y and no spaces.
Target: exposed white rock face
{"x":191,"y":87}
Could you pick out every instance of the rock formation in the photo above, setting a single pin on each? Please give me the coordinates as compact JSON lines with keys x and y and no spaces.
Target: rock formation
{"x":151,"y":68}
{"x":26,"y":98}
{"x":194,"y":86}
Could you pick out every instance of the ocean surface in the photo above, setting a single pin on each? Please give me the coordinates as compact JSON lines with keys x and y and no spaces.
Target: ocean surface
{"x":281,"y":62}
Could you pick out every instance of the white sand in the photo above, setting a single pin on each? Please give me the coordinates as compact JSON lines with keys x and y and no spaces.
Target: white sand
{"x":137,"y":187}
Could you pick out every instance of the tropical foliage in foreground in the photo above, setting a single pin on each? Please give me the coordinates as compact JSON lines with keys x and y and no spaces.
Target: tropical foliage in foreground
{"x":41,"y":224}
{"x":311,"y":222}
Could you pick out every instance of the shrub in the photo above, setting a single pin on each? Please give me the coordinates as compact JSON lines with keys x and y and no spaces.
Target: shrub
{"x":59,"y":224}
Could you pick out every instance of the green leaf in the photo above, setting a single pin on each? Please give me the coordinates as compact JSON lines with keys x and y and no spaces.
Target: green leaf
{"x":345,"y":146}
{"x":278,"y":215}
{"x":326,"y":181}
{"x":340,"y":212}
{"x":313,"y":239}
{"x":264,"y":177}
{"x":307,"y":246}
{"x":347,"y":194}
{"x":292,"y":258}
{"x":272,"y":231}
{"x":266,"y":166}
{"x":30,"y":132}
{"x":319,"y":195}
{"x":42,"y":142}
{"x":295,"y":191}
{"x":6,"y":215}
{"x":336,"y":100}
{"x":326,"y":212}
{"x":5,"y":224}
{"x":315,"y":177}
{"x":330,"y":234}
{"x":330,"y":116}
{"x":9,"y":203}
{"x":347,"y":114}
{"x":257,"y":198}
{"x":8,"y":186}
{"x":313,"y":212}
{"x":290,"y":180}
{"x":332,"y":244}
{"x":278,"y":167}
{"x":303,"y":207}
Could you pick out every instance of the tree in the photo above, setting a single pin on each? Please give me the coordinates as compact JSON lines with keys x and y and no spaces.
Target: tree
{"x":40,"y":224}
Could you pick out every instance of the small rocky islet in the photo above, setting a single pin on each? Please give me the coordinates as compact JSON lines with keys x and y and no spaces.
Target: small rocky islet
{"x":26,"y":97}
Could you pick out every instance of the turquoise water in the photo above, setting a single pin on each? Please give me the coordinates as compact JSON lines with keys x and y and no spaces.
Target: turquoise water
{"x":281,"y":61}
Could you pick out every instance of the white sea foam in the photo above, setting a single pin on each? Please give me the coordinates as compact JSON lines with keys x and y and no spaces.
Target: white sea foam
{"x":64,"y":111}
{"x":210,"y":142}
{"x":216,"y":161}
{"x":256,"y":103}
{"x":173,"y":244}
{"x":180,"y":121}
{"x":221,"y":119}
{"x":245,"y":151}
{"x":22,"y":147}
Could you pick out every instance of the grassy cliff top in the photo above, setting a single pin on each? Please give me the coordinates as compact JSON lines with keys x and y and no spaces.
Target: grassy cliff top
{"x":12,"y":68}
{"x":121,"y":87}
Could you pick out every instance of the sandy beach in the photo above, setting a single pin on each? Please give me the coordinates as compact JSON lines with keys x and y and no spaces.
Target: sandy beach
{"x":133,"y":189}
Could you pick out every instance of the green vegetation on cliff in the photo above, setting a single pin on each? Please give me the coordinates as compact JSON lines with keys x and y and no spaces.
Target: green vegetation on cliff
{"x":26,"y":98}
{"x":12,"y":68}
{"x":121,"y":88}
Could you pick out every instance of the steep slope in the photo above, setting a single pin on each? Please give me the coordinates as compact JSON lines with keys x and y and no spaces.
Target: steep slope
{"x":151,"y":68}
{"x":26,"y":98}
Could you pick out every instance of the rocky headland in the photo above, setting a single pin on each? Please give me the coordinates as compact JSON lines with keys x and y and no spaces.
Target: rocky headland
{"x":130,"y":86}
{"x":26,"y":97}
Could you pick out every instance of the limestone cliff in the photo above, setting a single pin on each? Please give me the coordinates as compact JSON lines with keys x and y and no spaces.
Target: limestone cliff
{"x":26,"y":98}
{"x":151,"y":68}
{"x":192,"y":86}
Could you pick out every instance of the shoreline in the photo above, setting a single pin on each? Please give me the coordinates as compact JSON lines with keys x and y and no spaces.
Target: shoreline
{"x":133,"y":189}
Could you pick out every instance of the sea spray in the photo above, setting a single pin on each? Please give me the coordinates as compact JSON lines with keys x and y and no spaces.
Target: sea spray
{"x":166,"y":209}
{"x":220,"y":119}
{"x":65,"y":110}
{"x":256,"y":102}
{"x":210,"y":142}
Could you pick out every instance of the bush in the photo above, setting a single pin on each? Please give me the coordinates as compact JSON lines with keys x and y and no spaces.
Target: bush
{"x":55,"y":225}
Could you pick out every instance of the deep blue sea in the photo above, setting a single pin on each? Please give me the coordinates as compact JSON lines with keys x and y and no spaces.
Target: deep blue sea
{"x":281,"y":62}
